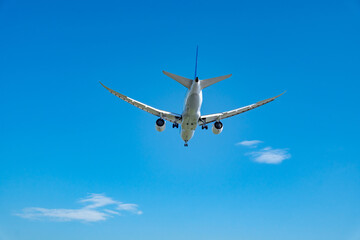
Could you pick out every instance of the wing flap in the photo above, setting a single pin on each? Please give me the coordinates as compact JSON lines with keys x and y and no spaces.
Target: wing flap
{"x":172,"y":117}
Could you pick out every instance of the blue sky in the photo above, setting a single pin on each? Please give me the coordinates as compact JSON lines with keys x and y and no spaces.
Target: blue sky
{"x":78,"y":163}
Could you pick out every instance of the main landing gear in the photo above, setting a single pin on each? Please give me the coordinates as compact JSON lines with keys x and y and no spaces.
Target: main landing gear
{"x":204,"y":127}
{"x":175,"y":125}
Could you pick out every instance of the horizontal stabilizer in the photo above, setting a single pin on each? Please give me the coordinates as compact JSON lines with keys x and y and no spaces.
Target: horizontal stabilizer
{"x":186,"y":82}
{"x":208,"y":82}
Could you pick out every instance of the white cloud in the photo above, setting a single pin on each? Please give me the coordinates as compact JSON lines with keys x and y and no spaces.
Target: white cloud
{"x":97,"y":200}
{"x":129,"y":207}
{"x":266,"y":155}
{"x":270,"y":156}
{"x":111,"y":211}
{"x":82,"y":214}
{"x":249,"y":143}
{"x":92,"y":212}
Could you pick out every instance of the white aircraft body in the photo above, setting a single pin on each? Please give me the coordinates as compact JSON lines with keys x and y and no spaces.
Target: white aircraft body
{"x":191,"y":116}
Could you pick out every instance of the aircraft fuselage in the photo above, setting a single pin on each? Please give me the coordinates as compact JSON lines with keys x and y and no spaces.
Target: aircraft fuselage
{"x":191,"y":112}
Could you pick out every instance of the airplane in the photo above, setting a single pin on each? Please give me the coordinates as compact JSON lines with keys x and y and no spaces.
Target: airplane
{"x":191,"y":116}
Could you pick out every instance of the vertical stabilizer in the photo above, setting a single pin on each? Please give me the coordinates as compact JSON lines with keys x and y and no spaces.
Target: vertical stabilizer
{"x":196,"y":61}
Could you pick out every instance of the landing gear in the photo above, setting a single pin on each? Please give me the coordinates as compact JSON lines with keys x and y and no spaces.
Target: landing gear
{"x":185,"y":144}
{"x":204,"y":127}
{"x":175,"y":125}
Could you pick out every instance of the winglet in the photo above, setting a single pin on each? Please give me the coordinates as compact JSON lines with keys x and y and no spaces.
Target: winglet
{"x":280,"y":94}
{"x":104,"y":85}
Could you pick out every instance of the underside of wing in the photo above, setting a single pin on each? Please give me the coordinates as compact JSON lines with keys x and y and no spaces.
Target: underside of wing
{"x":218,"y":116}
{"x":172,"y":117}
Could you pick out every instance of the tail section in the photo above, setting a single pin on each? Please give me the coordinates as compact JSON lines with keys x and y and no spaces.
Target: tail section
{"x":186,"y":82}
{"x":210,"y":81}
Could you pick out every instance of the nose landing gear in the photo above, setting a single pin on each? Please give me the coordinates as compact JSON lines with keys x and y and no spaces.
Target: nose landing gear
{"x":185,"y":144}
{"x":175,"y":125}
{"x":204,"y":127}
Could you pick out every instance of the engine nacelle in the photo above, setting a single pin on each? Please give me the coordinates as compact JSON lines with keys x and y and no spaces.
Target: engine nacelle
{"x":217,"y":127}
{"x":160,"y":125}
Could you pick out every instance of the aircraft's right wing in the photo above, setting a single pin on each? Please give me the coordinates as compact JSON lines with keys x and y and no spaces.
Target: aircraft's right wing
{"x":172,"y":117}
{"x":218,"y":116}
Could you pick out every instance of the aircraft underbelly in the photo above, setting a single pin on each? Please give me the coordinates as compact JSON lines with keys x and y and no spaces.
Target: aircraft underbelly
{"x":193,"y":103}
{"x":186,"y":135}
{"x":190,"y":116}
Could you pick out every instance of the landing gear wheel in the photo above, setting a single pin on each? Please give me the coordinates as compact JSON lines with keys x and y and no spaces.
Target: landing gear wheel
{"x":185,"y":145}
{"x":175,"y":125}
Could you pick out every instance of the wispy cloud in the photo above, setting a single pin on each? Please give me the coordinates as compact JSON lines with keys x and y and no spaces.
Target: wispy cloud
{"x":94,"y":210}
{"x":249,"y":143}
{"x":265,"y":155}
{"x":83,"y":214}
{"x":270,"y":155}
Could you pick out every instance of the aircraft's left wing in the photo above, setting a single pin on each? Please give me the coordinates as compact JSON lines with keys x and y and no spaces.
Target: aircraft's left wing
{"x":172,"y":117}
{"x":218,"y":116}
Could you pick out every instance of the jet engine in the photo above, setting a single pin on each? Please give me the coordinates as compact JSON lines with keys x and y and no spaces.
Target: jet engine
{"x":217,"y":127}
{"x":160,"y":125}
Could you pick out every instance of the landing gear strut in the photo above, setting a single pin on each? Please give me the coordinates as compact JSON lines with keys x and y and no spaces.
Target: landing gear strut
{"x":175,"y":125}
